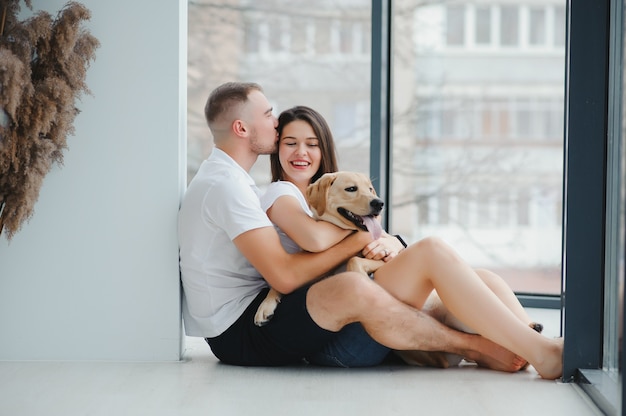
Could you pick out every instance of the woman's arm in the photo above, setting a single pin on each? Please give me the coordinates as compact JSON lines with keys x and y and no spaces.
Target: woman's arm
{"x":287,"y":272}
{"x":306,"y":232}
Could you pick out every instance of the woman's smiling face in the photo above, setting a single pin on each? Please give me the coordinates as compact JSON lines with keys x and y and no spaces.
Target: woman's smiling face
{"x":299,"y":152}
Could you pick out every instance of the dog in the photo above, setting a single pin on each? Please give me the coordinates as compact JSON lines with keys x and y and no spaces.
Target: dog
{"x":348,"y":200}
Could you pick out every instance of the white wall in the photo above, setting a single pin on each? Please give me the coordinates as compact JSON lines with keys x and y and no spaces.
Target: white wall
{"x":94,"y":274}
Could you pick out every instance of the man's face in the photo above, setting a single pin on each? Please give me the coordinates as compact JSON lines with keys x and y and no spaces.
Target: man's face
{"x":262,"y":124}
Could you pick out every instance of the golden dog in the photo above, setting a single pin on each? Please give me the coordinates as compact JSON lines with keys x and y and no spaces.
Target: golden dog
{"x":348,"y":200}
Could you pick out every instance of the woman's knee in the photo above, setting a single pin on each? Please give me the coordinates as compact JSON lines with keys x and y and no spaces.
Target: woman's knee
{"x":434,"y":248}
{"x":486,"y":275}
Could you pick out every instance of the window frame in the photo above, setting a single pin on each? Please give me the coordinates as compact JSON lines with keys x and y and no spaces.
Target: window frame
{"x":381,"y":126}
{"x":591,"y":353}
{"x":593,"y":71}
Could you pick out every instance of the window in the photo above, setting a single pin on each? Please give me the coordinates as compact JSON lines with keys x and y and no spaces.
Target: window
{"x":275,"y":36}
{"x":472,"y":136}
{"x":493,"y":123}
{"x":455,"y":25}
{"x":509,"y":25}
{"x":252,"y":33}
{"x":478,"y":135}
{"x":443,"y":213}
{"x":300,"y":53}
{"x":322,"y":36}
{"x":483,"y":25}
{"x":537,"y":26}
{"x":559,"y":26}
{"x":346,"y":37}
{"x":298,"y":39}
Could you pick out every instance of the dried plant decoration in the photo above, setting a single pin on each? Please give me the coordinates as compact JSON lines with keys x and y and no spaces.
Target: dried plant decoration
{"x":43,"y":65}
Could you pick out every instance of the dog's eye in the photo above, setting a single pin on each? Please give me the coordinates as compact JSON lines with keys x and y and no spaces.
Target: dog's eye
{"x":351,"y":189}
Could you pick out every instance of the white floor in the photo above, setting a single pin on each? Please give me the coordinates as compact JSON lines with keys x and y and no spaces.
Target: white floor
{"x":200,"y":385}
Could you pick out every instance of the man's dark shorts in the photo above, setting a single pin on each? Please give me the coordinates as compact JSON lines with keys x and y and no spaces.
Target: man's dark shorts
{"x":290,"y":335}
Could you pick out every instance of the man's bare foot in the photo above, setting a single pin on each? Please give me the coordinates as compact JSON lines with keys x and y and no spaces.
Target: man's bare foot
{"x":551,"y":365}
{"x":495,"y":357}
{"x":492,"y":363}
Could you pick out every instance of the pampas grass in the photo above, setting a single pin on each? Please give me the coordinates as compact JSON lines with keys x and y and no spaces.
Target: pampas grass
{"x":43,"y":65}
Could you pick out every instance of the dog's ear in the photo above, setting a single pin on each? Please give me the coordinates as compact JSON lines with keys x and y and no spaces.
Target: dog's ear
{"x":373,"y":189}
{"x":317,"y":192}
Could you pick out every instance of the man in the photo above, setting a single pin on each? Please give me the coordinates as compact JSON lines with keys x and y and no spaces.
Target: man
{"x":229,"y":252}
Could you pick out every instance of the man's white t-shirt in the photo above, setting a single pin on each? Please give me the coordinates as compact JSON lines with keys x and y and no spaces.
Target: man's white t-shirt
{"x":220,"y":203}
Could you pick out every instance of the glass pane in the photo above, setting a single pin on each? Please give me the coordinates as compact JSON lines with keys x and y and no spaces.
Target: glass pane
{"x":509,"y":25}
{"x":455,"y":25}
{"x":537,"y":25}
{"x":483,"y":25}
{"x":559,"y":25}
{"x":300,"y":52}
{"x":478,"y":138}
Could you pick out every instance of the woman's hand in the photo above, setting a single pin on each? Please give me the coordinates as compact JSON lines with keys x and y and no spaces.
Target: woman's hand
{"x":385,"y":248}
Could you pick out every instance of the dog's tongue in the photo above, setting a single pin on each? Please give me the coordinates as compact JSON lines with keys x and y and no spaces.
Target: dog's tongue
{"x":373,"y":226}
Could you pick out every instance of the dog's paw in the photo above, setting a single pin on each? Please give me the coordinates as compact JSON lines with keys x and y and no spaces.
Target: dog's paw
{"x":265,"y":312}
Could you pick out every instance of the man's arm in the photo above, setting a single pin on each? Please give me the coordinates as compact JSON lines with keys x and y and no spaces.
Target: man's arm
{"x":287,"y":272}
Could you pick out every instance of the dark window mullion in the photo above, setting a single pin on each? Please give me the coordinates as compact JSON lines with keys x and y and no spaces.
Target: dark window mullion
{"x":381,"y":70}
{"x":584,"y":185}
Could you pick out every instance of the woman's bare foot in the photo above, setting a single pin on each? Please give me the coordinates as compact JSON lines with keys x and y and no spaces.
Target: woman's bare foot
{"x":550,"y":366}
{"x":538,"y":328}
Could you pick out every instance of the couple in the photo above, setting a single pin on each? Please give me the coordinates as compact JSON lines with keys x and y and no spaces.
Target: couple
{"x":230,"y":252}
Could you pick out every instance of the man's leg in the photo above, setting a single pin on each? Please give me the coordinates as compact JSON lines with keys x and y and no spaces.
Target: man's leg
{"x":349,"y":297}
{"x":351,"y":347}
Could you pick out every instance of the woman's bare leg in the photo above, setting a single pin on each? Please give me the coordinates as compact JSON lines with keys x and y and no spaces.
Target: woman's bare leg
{"x":432,"y":264}
{"x":435,"y":308}
{"x":503,"y":291}
{"x":498,"y":286}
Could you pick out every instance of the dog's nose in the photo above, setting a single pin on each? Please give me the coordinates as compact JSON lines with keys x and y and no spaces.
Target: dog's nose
{"x":377,"y":205}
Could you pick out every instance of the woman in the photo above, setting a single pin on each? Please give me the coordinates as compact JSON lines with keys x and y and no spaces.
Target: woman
{"x":483,"y":300}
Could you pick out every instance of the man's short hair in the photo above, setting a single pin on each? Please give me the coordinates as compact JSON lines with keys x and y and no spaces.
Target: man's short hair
{"x":224,"y":99}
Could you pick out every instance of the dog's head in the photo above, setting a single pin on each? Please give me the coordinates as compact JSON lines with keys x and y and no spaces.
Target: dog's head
{"x":346,"y":199}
